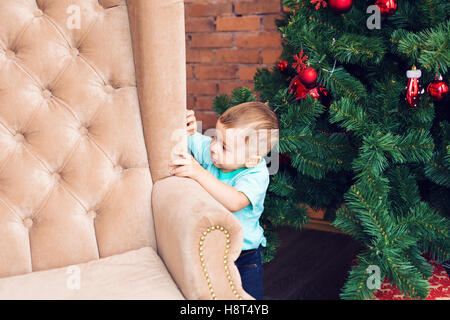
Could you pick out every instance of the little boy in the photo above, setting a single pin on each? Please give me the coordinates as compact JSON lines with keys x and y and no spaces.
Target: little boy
{"x":231,"y":167}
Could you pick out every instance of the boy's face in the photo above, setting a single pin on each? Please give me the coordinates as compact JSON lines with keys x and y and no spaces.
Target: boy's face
{"x":229,"y":151}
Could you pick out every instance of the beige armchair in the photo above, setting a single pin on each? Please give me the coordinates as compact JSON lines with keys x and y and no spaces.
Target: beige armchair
{"x":91,"y":96}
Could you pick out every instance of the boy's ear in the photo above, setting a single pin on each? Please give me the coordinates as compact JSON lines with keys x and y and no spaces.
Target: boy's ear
{"x":252,"y":161}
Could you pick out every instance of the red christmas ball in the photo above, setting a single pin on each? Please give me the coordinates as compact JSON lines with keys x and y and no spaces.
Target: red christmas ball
{"x":298,"y":88}
{"x":301,"y":92}
{"x":308,"y":77}
{"x":282,"y":65}
{"x":340,"y":6}
{"x":437,"y":89}
{"x":387,"y":7}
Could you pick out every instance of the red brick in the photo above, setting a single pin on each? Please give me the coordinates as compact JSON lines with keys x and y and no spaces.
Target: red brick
{"x":201,"y":87}
{"x":257,"y":6}
{"x":199,"y":55}
{"x":233,"y":55}
{"x":238,"y":23}
{"x":270,"y":55}
{"x":209,"y":9}
{"x":189,"y":72}
{"x":227,"y":87}
{"x":269,"y":22}
{"x":199,"y":24}
{"x":190,"y":102}
{"x":207,"y":40}
{"x":247,"y":72}
{"x":205,"y":103}
{"x":215,"y":72}
{"x":208,"y":120}
{"x":256,"y":40}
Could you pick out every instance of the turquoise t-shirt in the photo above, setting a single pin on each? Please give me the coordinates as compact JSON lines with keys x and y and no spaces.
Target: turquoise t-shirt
{"x":253,"y":182}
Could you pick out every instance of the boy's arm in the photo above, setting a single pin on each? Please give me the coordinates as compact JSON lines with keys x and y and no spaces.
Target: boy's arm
{"x":198,"y":146}
{"x":228,"y":196}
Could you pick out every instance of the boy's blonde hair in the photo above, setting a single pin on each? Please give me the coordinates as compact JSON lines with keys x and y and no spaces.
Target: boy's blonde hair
{"x":256,"y":116}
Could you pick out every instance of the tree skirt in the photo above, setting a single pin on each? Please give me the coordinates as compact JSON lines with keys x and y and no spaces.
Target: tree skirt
{"x":439,"y":287}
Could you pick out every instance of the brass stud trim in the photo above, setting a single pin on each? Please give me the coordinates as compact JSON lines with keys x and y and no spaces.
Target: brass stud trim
{"x":225,"y":261}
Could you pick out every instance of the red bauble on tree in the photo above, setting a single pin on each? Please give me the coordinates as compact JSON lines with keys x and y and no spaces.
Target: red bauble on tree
{"x":282,"y":65}
{"x":297,"y":88}
{"x":437,"y":89}
{"x":340,"y":6}
{"x":413,"y":88}
{"x":387,"y":7}
{"x":308,"y":77}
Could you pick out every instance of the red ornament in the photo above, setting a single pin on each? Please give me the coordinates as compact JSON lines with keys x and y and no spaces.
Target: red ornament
{"x":299,"y":63}
{"x":318,"y":3}
{"x":298,"y":88}
{"x":308,"y":77}
{"x":282,"y":65}
{"x":437,"y":89}
{"x":387,"y":7}
{"x":340,"y":6}
{"x":325,"y":97}
{"x":413,"y":88}
{"x":314,"y":92}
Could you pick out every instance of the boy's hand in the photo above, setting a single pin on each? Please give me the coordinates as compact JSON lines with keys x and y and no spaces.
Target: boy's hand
{"x":191,"y":122}
{"x":186,"y":166}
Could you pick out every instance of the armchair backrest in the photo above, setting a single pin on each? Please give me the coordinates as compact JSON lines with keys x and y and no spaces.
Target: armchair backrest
{"x":75,"y":180}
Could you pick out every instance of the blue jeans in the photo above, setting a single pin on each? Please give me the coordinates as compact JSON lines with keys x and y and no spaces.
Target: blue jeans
{"x":250,"y":267}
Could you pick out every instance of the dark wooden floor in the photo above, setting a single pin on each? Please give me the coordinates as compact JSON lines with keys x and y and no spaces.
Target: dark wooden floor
{"x":308,"y":265}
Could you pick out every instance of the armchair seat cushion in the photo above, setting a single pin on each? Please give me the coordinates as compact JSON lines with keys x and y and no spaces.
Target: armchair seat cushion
{"x":137,"y":274}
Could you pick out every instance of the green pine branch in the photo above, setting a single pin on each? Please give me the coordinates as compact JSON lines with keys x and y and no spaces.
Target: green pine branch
{"x":430,"y":47}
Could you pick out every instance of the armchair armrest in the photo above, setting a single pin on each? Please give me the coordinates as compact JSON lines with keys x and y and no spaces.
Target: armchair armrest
{"x":198,"y":239}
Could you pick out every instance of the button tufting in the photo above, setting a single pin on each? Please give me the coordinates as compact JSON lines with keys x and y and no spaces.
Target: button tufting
{"x":74,"y":52}
{"x":56,"y":176}
{"x":109,"y":88}
{"x":10,"y":54}
{"x":28,"y":222}
{"x":100,"y":8}
{"x":38,"y":13}
{"x":118,"y":169}
{"x":84,"y":131}
{"x":46,"y":94}
{"x":92,"y":214}
{"x":19,"y":137}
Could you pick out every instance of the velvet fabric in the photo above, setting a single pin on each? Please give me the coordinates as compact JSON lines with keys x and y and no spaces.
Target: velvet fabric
{"x":73,"y":166}
{"x":136,"y":274}
{"x":92,"y":107}
{"x":179,"y":228}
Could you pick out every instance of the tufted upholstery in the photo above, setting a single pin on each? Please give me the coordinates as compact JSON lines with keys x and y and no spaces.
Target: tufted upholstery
{"x":84,"y":109}
{"x":73,"y":164}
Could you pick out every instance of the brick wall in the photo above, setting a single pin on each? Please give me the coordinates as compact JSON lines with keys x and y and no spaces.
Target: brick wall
{"x":226,"y":41}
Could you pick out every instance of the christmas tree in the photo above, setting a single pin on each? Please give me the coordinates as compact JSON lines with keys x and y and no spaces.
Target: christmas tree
{"x":359,"y":135}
